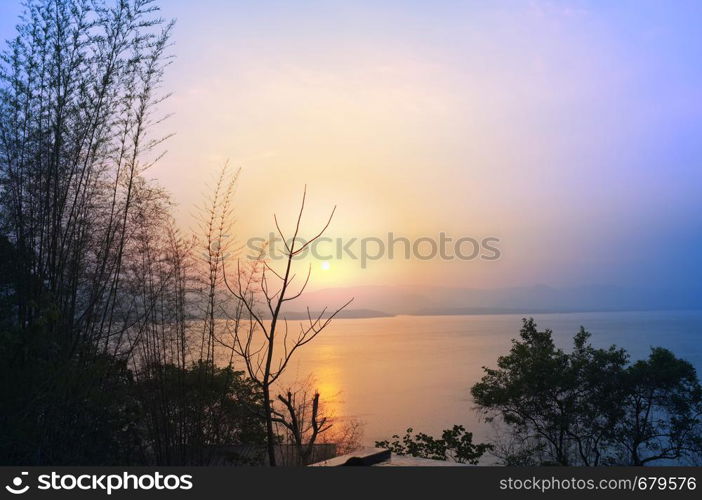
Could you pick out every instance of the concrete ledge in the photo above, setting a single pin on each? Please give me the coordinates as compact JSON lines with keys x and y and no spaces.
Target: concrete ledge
{"x":363,"y":457}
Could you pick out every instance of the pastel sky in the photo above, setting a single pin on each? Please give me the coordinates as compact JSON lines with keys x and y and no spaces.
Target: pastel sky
{"x":570,"y":130}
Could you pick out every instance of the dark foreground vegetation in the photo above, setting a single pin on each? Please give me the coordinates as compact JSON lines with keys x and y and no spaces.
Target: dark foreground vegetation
{"x":121,"y":340}
{"x":586,"y":407}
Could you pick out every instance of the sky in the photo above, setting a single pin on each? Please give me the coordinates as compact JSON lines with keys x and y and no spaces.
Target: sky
{"x":568,"y":130}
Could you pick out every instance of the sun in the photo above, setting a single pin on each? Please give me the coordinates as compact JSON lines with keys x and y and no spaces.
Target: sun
{"x":325,"y":265}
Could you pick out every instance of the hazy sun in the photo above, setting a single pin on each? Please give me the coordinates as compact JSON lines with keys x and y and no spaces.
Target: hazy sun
{"x":325,"y":265}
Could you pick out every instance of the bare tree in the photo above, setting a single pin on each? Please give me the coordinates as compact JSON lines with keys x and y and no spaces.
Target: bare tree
{"x":303,"y":422}
{"x":266,"y":348}
{"x":310,"y":429}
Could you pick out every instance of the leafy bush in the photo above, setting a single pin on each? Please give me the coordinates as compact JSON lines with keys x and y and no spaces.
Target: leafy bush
{"x":455,"y":445}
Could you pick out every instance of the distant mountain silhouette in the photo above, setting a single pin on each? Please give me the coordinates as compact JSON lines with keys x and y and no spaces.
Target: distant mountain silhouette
{"x":346,"y":313}
{"x":394,"y":300}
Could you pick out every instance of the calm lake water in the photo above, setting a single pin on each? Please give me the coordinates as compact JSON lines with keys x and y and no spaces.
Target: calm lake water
{"x":416,"y":371}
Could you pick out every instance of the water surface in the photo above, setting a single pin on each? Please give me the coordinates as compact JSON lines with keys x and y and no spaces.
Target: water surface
{"x":416,"y":371}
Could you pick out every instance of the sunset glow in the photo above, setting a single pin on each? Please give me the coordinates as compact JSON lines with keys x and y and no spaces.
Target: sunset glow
{"x":544,"y":124}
